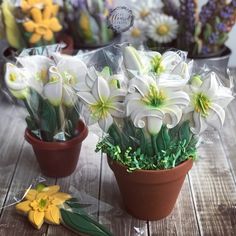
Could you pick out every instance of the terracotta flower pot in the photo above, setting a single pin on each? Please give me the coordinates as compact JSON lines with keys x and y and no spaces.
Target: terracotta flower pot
{"x":148,"y":194}
{"x":58,"y":159}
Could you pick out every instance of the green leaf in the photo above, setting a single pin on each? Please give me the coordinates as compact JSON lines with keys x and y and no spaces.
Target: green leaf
{"x":48,"y":117}
{"x":198,"y":29}
{"x":184,"y":132}
{"x":163,"y":139}
{"x":82,"y":223}
{"x":207,"y":31}
{"x":31,"y":124}
{"x":223,"y":37}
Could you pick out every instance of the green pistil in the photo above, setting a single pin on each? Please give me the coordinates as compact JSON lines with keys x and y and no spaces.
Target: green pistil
{"x":42,"y":203}
{"x":155,"y":97}
{"x":68,"y":78}
{"x":101,"y":108}
{"x":202,"y":104}
{"x":157,"y":67}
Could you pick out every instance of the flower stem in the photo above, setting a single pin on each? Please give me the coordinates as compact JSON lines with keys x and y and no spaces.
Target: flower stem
{"x":154,"y":143}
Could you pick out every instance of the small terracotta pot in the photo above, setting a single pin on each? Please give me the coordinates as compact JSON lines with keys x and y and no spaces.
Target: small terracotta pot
{"x":150,"y":194}
{"x":58,"y":159}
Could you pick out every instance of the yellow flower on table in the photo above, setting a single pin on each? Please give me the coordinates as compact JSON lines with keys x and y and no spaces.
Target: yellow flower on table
{"x":43,"y":205}
{"x":43,"y":24}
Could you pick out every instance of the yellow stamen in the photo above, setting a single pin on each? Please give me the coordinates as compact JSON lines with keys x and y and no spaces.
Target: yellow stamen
{"x":144,"y":13}
{"x":163,"y":29}
{"x":12,"y":77}
{"x":136,"y":32}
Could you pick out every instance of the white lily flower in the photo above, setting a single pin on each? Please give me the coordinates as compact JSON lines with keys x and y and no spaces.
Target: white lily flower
{"x":37,"y":66}
{"x":53,"y":89}
{"x":208,"y":100}
{"x":74,"y":72}
{"x":151,"y":105}
{"x":17,"y":81}
{"x":103,"y":103}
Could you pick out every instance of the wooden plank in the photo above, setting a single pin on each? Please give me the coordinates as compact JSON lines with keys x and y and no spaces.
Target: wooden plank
{"x":11,"y":141}
{"x":116,"y":219}
{"x":11,"y":223}
{"x":228,"y":135}
{"x":86,"y":179}
{"x":182,"y":221}
{"x":214,"y":189}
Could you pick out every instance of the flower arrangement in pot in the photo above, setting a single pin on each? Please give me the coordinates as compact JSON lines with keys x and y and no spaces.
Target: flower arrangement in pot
{"x":86,"y":22}
{"x":152,"y":120}
{"x":48,"y":89}
{"x":181,"y":25}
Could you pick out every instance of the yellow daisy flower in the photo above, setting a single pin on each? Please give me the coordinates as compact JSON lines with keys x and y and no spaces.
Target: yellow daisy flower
{"x":43,"y":205}
{"x":43,"y":24}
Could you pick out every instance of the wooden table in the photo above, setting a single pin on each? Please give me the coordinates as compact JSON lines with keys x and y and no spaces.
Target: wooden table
{"x":206,"y":204}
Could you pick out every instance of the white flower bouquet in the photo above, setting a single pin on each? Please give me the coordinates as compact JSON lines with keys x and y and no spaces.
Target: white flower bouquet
{"x":154,"y":112}
{"x":48,"y":89}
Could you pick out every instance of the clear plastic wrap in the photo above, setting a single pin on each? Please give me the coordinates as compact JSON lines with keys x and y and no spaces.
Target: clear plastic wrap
{"x":47,"y":87}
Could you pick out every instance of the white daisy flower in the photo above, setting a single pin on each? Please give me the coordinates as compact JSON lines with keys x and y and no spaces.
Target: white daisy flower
{"x":162,"y":28}
{"x":144,"y":9}
{"x":137,"y":33}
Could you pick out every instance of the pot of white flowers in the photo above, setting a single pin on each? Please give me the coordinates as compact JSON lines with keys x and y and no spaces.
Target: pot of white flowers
{"x":48,"y":89}
{"x":152,"y":128}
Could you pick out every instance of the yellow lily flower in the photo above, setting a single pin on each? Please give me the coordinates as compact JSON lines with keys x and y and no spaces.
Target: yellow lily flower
{"x":43,"y":205}
{"x":27,"y":5}
{"x":43,"y":25}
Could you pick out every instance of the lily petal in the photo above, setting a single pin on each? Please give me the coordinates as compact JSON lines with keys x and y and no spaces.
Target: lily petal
{"x":199,"y":122}
{"x":87,"y":98}
{"x":105,"y":123}
{"x":169,"y":60}
{"x":15,"y":78}
{"x":210,"y":85}
{"x":118,"y":110}
{"x":68,"y":96}
{"x":216,"y":115}
{"x":172,"y":116}
{"x":141,"y":84}
{"x":101,"y":90}
{"x":132,"y":60}
{"x":53,"y":90}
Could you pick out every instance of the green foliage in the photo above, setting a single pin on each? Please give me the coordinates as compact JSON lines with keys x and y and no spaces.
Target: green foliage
{"x":45,"y":118}
{"x":132,"y":148}
{"x":78,"y":221}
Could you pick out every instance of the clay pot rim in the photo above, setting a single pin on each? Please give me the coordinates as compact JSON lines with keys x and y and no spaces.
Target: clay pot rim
{"x":145,"y":176}
{"x":58,"y":145}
